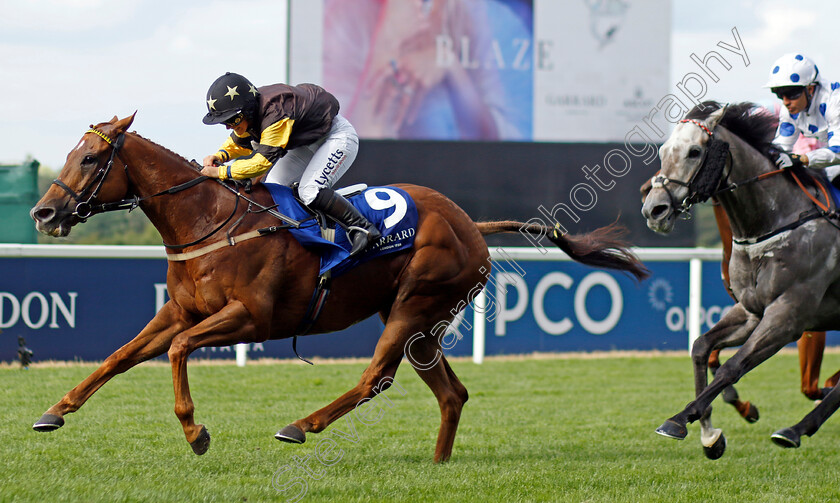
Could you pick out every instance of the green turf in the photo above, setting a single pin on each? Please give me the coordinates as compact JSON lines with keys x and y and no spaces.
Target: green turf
{"x":533,"y":430}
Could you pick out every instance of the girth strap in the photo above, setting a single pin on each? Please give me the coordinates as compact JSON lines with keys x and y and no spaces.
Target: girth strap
{"x":231,"y":241}
{"x":322,"y":288}
{"x":803,"y":218}
{"x":313,"y":311}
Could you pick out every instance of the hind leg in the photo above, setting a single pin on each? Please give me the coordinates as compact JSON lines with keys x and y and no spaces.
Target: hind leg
{"x":730,"y":395}
{"x":423,"y":351}
{"x":791,"y":437}
{"x":832,"y":381}
{"x":447,"y":388}
{"x":377,"y":376}
{"x":811,"y":346}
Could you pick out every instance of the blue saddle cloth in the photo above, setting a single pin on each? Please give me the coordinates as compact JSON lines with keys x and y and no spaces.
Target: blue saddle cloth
{"x":391,"y":209}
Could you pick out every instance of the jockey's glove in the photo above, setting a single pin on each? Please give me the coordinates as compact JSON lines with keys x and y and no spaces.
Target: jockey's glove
{"x":786,"y":161}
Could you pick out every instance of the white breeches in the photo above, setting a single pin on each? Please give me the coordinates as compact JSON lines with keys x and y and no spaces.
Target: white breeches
{"x":319,"y":165}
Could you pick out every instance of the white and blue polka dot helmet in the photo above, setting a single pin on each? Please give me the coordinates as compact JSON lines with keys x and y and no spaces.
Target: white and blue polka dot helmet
{"x":793,"y":70}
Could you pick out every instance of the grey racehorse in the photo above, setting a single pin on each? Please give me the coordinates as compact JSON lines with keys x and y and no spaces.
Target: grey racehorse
{"x":785,"y":266}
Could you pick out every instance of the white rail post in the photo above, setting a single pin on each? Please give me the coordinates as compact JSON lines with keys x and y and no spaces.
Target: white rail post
{"x":695,"y":301}
{"x":241,"y":354}
{"x":479,"y":329}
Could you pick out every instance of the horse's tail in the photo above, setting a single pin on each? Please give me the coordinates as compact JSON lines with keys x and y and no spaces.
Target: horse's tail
{"x":603,"y":247}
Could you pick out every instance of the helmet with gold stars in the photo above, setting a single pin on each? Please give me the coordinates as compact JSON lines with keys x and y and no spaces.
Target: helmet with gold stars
{"x":229,"y":96}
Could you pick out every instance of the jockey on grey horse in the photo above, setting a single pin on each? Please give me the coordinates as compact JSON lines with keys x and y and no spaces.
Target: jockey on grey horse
{"x":785,"y":268}
{"x":782,"y":288}
{"x":811,"y":108}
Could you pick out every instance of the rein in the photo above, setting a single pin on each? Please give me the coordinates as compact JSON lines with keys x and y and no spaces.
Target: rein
{"x":85,"y":209}
{"x":820,"y":210}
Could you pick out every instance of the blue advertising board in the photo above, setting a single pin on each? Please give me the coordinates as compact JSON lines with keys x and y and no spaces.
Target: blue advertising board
{"x":550,"y":306}
{"x":85,"y":308}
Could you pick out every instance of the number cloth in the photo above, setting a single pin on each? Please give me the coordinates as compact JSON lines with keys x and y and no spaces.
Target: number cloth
{"x":389,"y":208}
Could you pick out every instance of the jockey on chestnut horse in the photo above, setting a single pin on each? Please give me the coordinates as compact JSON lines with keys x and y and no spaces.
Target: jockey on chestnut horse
{"x":255,"y":281}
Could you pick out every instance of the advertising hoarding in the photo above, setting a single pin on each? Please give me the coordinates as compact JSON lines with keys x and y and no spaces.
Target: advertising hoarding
{"x":510,"y":70}
{"x":86,"y":308}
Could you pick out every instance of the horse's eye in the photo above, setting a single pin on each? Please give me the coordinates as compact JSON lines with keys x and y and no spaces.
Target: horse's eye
{"x":89,"y":159}
{"x":693,"y":153}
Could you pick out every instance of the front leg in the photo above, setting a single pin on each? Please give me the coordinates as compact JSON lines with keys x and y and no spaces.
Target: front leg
{"x":779,"y":326}
{"x":231,"y":325}
{"x":152,"y":341}
{"x":730,"y":331}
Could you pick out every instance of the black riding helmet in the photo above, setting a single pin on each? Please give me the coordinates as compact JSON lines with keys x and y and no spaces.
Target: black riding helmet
{"x":228,"y":96}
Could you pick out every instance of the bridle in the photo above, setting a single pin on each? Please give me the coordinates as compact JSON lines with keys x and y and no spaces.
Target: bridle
{"x":85,"y":208}
{"x":713,"y":169}
{"x":706,"y":181}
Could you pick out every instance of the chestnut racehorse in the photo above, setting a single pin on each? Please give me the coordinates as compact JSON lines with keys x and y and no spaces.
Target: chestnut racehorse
{"x":258,"y":289}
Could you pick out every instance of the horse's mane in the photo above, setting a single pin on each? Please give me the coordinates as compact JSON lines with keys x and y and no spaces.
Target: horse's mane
{"x":175,"y":154}
{"x":750,"y":122}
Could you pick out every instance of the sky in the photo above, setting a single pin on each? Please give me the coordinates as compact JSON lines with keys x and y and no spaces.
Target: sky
{"x":65,"y":64}
{"x":68,"y":63}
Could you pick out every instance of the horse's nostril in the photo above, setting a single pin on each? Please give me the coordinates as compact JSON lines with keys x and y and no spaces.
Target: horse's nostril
{"x":659,"y":211}
{"x":42,"y":214}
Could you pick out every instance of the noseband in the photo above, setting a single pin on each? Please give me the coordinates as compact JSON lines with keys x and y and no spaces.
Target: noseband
{"x":84,"y":207}
{"x":706,"y":181}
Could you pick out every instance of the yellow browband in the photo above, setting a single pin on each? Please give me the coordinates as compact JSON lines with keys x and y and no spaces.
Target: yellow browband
{"x":101,"y":135}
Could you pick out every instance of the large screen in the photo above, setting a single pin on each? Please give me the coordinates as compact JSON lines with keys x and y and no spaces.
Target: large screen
{"x":494,"y":70}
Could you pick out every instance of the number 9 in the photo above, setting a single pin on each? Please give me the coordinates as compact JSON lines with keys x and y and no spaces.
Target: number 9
{"x":393,"y":199}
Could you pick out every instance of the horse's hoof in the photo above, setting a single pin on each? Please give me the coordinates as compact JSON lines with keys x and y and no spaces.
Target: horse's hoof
{"x":291,"y":434}
{"x":786,"y":437}
{"x":752,"y":413}
{"x":48,"y":422}
{"x":716,"y":450}
{"x":202,"y":443}
{"x":672,"y":429}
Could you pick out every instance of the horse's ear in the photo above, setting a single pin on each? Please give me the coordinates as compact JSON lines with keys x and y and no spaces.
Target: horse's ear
{"x":716,"y":116}
{"x":122,"y":125}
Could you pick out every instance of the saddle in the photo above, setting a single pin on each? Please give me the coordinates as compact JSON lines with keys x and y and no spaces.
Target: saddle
{"x":391,"y":209}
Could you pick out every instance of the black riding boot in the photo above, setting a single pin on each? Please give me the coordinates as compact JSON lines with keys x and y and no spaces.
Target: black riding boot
{"x":360,"y":231}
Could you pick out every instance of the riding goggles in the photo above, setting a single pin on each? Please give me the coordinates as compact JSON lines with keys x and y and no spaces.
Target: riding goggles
{"x":789,"y":92}
{"x":234,"y":121}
